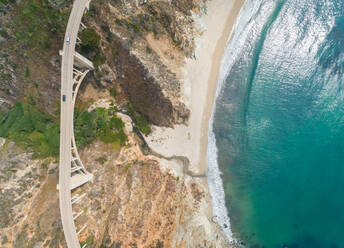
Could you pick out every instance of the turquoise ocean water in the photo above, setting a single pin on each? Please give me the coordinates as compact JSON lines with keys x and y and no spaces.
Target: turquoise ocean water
{"x":279,"y":126}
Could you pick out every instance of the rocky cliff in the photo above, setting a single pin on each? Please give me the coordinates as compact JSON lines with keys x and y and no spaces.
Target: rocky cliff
{"x":145,"y":44}
{"x":134,"y":201}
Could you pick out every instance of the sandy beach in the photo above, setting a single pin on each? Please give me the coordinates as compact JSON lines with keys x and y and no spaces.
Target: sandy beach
{"x":199,"y":86}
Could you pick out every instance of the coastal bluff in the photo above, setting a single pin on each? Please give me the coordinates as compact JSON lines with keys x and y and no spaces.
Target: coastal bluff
{"x":141,"y":196}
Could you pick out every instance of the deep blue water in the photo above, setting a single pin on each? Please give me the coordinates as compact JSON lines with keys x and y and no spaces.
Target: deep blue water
{"x":279,"y":125}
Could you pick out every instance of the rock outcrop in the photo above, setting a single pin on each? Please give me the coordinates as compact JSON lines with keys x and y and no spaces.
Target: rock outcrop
{"x":133,"y":201}
{"x":145,"y":44}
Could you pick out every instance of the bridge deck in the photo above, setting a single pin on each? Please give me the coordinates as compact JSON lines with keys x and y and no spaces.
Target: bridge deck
{"x":66,"y":182}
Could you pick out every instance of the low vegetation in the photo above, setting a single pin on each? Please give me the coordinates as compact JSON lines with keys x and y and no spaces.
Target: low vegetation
{"x":98,"y":124}
{"x":36,"y":23}
{"x":101,"y":159}
{"x":90,"y":45}
{"x":155,"y":21}
{"x":140,"y":121}
{"x":39,"y":132}
{"x":90,"y":40}
{"x":113,"y":92}
{"x":31,"y":129}
{"x":89,"y":241}
{"x":142,"y":23}
{"x":31,"y":34}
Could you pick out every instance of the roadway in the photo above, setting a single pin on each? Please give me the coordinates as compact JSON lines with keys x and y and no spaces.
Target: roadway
{"x":66,"y":124}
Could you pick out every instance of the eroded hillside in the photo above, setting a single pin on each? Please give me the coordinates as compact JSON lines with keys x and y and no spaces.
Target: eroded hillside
{"x":138,"y":48}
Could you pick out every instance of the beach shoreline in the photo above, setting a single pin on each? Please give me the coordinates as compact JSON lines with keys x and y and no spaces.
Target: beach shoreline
{"x":199,"y":87}
{"x":201,"y":75}
{"x":214,"y":76}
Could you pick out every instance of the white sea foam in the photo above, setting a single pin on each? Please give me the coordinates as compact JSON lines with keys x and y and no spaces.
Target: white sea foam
{"x":234,"y":46}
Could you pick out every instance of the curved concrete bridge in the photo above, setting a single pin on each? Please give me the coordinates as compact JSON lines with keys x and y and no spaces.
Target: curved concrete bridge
{"x":72,"y":173}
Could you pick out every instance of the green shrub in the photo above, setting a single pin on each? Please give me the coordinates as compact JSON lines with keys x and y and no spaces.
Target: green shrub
{"x":85,"y":128}
{"x":90,"y":44}
{"x":27,"y":72}
{"x":32,"y":129}
{"x":116,"y":123}
{"x":98,"y":124}
{"x":101,"y":159}
{"x":36,"y":23}
{"x":39,"y":133}
{"x":90,"y":40}
{"x":148,"y":49}
{"x":113,"y":92}
{"x":89,"y":240}
{"x":3,"y":33}
{"x":98,"y":60}
{"x":141,"y":122}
